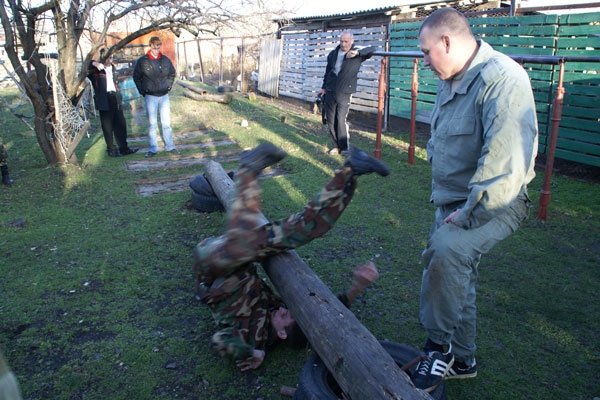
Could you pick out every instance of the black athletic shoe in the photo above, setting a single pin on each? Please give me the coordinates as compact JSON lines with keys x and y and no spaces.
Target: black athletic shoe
{"x":431,"y":371}
{"x":150,"y":154}
{"x":460,"y":370}
{"x":362,"y":163}
{"x":261,"y":157}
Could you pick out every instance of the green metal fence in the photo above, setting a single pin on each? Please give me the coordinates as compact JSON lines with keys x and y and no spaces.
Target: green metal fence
{"x":541,"y":35}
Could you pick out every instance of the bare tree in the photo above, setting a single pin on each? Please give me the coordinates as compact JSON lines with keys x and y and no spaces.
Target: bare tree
{"x":93,"y":20}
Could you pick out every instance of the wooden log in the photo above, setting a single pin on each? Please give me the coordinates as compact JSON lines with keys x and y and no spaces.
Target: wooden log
{"x":219,"y":98}
{"x":202,"y":95}
{"x":353,"y":356}
{"x":287,"y":391}
{"x":191,"y":87}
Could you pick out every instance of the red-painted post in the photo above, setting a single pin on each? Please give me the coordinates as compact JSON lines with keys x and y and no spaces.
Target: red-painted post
{"x":380,"y":107}
{"x":557,"y":106}
{"x":414,"y":91}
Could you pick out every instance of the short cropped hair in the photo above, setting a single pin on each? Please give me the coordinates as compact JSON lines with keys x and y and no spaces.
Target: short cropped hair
{"x":448,"y":19}
{"x":155,"y":40}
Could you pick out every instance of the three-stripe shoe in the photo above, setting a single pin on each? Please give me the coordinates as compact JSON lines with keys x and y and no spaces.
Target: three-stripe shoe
{"x":431,"y":371}
{"x":460,"y":370}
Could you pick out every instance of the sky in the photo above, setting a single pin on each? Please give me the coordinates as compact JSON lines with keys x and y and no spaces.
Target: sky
{"x":320,"y":7}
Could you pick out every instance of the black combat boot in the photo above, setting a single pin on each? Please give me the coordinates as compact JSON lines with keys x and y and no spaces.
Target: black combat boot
{"x":7,"y":180}
{"x":362,"y":163}
{"x":261,"y":157}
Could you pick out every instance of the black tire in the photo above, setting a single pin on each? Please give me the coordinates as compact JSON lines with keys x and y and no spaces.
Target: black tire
{"x":316,"y":383}
{"x":200,"y":185}
{"x":225,"y":89}
{"x":206,"y":203}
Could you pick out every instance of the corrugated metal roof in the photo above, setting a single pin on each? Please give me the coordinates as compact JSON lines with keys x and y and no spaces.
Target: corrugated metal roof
{"x":344,"y":14}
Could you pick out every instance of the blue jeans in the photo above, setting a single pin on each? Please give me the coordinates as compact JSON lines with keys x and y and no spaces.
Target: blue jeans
{"x":451,"y":259}
{"x":155,"y":105}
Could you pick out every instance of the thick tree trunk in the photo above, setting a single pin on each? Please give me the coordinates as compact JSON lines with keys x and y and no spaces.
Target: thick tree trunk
{"x":42,"y":133}
{"x":353,"y":356}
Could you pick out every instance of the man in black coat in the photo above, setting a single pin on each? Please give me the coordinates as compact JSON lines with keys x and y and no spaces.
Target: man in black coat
{"x":107,"y":97}
{"x":339,"y":83}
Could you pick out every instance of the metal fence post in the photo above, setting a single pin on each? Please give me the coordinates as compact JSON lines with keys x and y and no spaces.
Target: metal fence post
{"x":557,"y":106}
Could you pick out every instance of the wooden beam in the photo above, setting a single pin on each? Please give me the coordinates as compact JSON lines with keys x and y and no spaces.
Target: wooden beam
{"x":354,"y":357}
{"x":77,"y":139}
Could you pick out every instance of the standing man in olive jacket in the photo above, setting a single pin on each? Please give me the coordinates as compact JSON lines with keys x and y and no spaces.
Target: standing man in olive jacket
{"x":153,"y":76}
{"x":339,"y":82}
{"x":108,"y":101}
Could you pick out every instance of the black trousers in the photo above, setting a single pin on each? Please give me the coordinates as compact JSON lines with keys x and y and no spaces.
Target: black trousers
{"x":336,"y":112}
{"x":113,"y":121}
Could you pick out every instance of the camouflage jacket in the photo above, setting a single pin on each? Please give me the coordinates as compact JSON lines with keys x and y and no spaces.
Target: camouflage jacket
{"x":242,"y":301}
{"x":241,"y":305}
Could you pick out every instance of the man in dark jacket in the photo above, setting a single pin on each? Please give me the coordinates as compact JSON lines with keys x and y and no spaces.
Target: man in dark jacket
{"x":107,"y":98}
{"x":339,"y":83}
{"x":6,"y":179}
{"x":153,"y":76}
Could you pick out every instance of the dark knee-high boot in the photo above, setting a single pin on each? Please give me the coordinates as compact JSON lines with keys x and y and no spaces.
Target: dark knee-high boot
{"x":6,"y":179}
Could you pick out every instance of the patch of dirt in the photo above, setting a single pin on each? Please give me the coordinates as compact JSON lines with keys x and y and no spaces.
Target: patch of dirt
{"x":169,"y":161}
{"x":571,"y":169}
{"x":180,"y":183}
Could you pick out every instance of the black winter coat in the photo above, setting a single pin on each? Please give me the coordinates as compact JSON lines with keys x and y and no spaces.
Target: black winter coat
{"x":98,"y":79}
{"x":345,"y":82}
{"x":154,"y":77}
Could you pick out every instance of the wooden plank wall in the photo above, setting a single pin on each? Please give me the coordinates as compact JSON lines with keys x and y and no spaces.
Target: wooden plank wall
{"x":526,"y":35}
{"x":576,"y":34}
{"x":305,"y":58}
{"x":269,"y":64}
{"x":579,"y":133}
{"x":404,"y":37}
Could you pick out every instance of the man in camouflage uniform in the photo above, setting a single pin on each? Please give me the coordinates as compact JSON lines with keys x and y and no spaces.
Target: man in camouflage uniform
{"x":6,"y":179}
{"x":251,"y":317}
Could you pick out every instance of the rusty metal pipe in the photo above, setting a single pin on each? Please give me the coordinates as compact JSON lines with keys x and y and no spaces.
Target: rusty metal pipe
{"x":414,"y":91}
{"x":557,"y":106}
{"x":380,"y":107}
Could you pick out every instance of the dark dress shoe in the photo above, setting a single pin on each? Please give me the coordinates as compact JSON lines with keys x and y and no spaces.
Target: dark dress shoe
{"x":261,"y":157}
{"x":114,"y":153}
{"x":130,"y":151}
{"x":362,"y":163}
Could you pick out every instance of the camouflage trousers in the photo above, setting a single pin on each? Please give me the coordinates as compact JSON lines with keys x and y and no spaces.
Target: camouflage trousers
{"x":247,"y":239}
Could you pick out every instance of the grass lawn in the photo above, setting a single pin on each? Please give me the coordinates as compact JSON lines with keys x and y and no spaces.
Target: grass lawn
{"x":96,"y":290}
